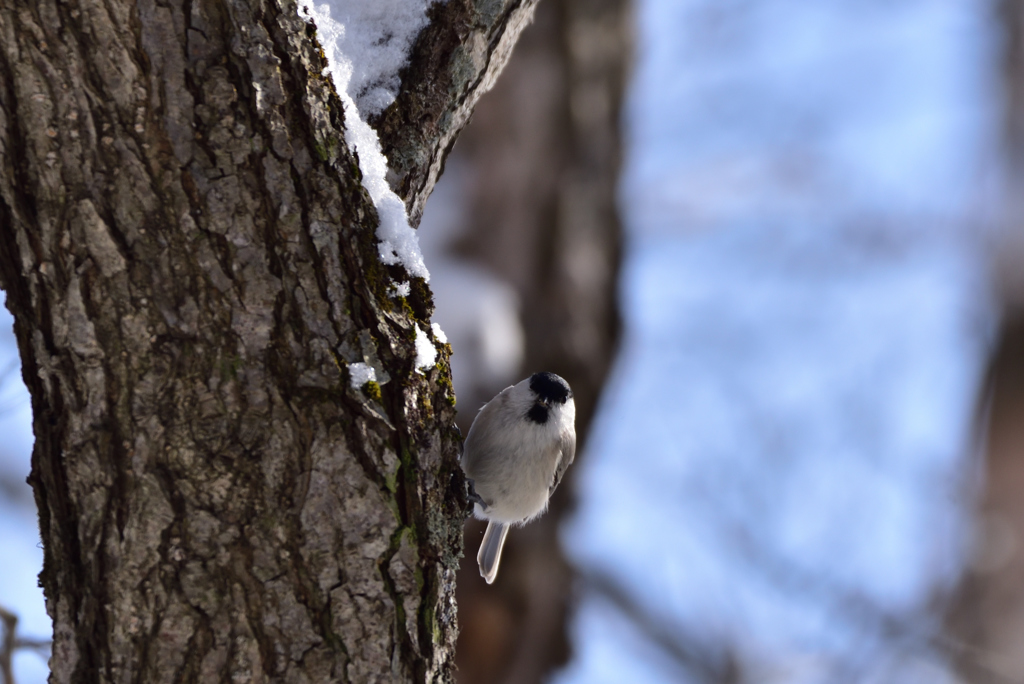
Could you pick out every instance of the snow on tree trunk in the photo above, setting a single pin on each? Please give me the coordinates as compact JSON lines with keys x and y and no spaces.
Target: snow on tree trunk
{"x":191,"y":260}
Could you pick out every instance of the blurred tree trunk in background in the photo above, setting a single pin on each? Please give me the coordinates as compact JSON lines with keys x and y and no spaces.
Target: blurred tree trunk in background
{"x":986,"y":620}
{"x":191,"y":262}
{"x":543,"y":155}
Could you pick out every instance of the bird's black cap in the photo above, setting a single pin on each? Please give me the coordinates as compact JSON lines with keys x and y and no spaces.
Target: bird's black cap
{"x":550,"y":387}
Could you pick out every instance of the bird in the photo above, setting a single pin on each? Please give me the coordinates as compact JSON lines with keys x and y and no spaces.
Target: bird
{"x":518,"y":448}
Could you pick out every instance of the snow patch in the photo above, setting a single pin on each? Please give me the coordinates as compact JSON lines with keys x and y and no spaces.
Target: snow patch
{"x":438,"y":333}
{"x":401,"y":289}
{"x":374,"y":39}
{"x":360,"y":374}
{"x":366,"y":44}
{"x":426,"y":353}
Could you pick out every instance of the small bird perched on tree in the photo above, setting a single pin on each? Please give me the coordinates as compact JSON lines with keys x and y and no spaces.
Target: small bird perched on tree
{"x":518,"y":448}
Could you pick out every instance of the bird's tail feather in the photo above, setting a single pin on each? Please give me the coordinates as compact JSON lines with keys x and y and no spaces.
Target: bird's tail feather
{"x":489,"y":555}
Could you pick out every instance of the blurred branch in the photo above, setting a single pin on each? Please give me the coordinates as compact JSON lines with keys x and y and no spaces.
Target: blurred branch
{"x":910,"y":629}
{"x":8,"y":375}
{"x":12,"y":643}
{"x":793,"y":578}
{"x":10,"y":621}
{"x":711,"y":663}
{"x":977,"y":659}
{"x":12,"y":366}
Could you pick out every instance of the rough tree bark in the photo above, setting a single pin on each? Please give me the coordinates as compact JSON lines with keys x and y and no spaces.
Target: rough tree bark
{"x":191,"y":262}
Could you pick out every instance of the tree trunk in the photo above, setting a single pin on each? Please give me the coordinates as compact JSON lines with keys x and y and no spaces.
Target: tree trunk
{"x":191,"y":262}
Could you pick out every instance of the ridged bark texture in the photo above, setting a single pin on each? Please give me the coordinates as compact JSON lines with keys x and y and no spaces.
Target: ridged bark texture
{"x":191,"y":261}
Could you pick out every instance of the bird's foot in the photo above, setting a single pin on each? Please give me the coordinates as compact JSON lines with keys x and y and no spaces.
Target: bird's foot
{"x":473,"y":496}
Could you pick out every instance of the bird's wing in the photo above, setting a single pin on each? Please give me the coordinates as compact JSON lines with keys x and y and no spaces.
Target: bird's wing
{"x":475,"y":447}
{"x":567,"y":452}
